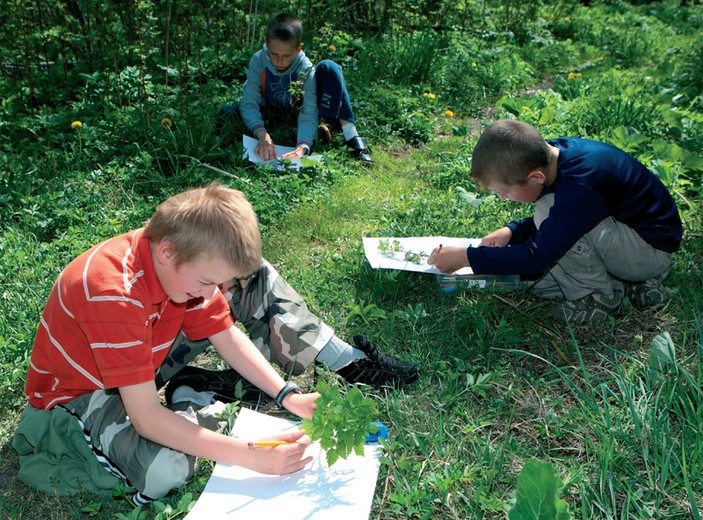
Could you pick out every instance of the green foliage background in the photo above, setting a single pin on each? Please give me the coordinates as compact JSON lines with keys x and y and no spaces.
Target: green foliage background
{"x":500,"y":383}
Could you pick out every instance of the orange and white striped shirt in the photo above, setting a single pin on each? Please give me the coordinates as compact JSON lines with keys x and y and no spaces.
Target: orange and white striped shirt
{"x":108,"y":323}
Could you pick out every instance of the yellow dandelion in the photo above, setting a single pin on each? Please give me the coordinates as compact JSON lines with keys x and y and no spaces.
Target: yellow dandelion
{"x":166,"y":123}
{"x":448,"y":113}
{"x":571,"y":75}
{"x":331,"y":47}
{"x":429,"y":95}
{"x":76,"y":124}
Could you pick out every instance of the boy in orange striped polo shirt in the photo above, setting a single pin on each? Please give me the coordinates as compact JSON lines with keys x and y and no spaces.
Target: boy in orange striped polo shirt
{"x":108,"y":327}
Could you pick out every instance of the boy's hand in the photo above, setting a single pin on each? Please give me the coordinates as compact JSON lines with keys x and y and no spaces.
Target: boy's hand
{"x":499,"y":238}
{"x":449,"y":258}
{"x":280,"y":459}
{"x":266,"y":149}
{"x":295,"y":154}
{"x":302,"y":405}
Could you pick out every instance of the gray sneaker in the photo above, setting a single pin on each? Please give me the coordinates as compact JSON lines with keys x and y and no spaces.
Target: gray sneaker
{"x":650,"y":293}
{"x":594,"y":307}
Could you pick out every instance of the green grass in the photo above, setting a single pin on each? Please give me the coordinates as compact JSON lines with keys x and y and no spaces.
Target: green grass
{"x":607,"y":406}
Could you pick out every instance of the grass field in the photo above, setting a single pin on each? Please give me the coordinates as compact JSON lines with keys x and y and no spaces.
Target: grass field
{"x":614,"y":408}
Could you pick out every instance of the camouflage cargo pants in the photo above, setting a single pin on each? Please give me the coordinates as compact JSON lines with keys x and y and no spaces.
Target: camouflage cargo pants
{"x":276,"y":319}
{"x":279,"y":324}
{"x":151,"y":468}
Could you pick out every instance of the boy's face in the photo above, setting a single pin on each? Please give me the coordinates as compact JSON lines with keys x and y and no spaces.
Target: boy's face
{"x":282,"y":53}
{"x":517,"y":192}
{"x":196,"y":279}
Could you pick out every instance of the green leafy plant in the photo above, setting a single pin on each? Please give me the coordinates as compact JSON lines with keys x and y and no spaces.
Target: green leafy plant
{"x":230,"y":411}
{"x":341,"y":421}
{"x":537,"y":494}
{"x":366,"y":312}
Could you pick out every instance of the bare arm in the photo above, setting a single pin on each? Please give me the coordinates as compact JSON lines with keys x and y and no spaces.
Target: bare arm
{"x":241,"y":354}
{"x":159,"y":424}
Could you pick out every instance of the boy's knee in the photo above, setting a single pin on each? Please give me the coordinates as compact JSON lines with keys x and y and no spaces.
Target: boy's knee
{"x":328,"y":66}
{"x":168,"y":470}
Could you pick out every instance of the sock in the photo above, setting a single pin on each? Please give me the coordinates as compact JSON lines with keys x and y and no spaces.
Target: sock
{"x":338,"y":354}
{"x":349,"y":131}
{"x":186,"y":393}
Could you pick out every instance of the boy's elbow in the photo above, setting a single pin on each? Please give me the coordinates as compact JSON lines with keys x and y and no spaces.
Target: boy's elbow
{"x":143,"y":425}
{"x":145,"y":419}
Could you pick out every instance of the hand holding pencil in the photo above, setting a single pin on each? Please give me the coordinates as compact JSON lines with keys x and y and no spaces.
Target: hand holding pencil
{"x":448,"y":258}
{"x":278,"y":454}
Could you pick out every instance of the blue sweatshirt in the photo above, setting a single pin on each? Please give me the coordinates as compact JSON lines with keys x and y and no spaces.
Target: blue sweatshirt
{"x":594,"y":181}
{"x":267,"y":86}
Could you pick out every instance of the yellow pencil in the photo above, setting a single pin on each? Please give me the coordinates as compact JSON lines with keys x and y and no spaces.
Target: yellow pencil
{"x":269,"y":443}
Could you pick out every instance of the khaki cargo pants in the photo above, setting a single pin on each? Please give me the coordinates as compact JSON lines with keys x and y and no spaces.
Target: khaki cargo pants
{"x":600,"y":261}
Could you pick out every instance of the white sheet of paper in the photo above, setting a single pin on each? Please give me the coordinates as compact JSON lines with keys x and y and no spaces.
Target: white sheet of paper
{"x":249,"y":153}
{"x":418,"y":245}
{"x":318,"y":492}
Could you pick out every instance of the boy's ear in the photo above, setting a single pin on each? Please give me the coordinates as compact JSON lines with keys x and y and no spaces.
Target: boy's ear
{"x":537,"y":177}
{"x":164,"y":252}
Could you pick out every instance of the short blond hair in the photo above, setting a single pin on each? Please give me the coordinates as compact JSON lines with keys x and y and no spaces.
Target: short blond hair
{"x":210,"y":222}
{"x":508,"y":151}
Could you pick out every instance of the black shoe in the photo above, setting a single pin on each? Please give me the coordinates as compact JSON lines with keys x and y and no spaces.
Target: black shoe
{"x":360,"y":149}
{"x":223,"y":383}
{"x":378,"y":369}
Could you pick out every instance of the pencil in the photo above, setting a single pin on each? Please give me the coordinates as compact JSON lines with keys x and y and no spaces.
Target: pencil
{"x":256,"y":444}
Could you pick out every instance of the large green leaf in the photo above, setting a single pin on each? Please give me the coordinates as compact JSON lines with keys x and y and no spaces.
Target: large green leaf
{"x":537,"y":494}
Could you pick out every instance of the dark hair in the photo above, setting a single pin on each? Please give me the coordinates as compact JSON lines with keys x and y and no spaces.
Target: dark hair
{"x":286,"y":28}
{"x":507,"y":152}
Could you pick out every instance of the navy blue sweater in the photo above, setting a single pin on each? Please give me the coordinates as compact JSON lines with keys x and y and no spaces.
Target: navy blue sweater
{"x":594,"y":181}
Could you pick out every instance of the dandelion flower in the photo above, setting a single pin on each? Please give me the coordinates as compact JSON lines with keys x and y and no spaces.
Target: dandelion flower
{"x":571,"y":75}
{"x":429,"y":95}
{"x":448,"y":113}
{"x":166,"y":123}
{"x":331,"y":47}
{"x":76,"y":124}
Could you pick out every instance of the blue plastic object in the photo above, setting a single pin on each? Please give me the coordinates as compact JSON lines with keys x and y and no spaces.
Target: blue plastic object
{"x":382,"y":433}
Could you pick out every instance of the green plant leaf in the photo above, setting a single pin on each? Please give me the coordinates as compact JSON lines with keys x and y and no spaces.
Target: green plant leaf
{"x":661,"y":354}
{"x":341,"y":421}
{"x":537,"y":494}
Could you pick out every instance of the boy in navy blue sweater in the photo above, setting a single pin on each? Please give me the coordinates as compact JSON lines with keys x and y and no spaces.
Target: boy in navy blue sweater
{"x":604,"y":226}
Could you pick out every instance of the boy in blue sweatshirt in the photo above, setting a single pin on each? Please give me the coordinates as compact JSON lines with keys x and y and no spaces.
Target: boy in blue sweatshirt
{"x":282,"y":83}
{"x":604,"y":226}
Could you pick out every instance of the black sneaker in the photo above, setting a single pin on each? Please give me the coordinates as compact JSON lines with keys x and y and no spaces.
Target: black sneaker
{"x":360,"y":149}
{"x":223,"y":383}
{"x":378,"y":369}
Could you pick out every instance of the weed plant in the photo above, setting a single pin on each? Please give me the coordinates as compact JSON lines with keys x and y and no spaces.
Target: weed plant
{"x":613,"y":410}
